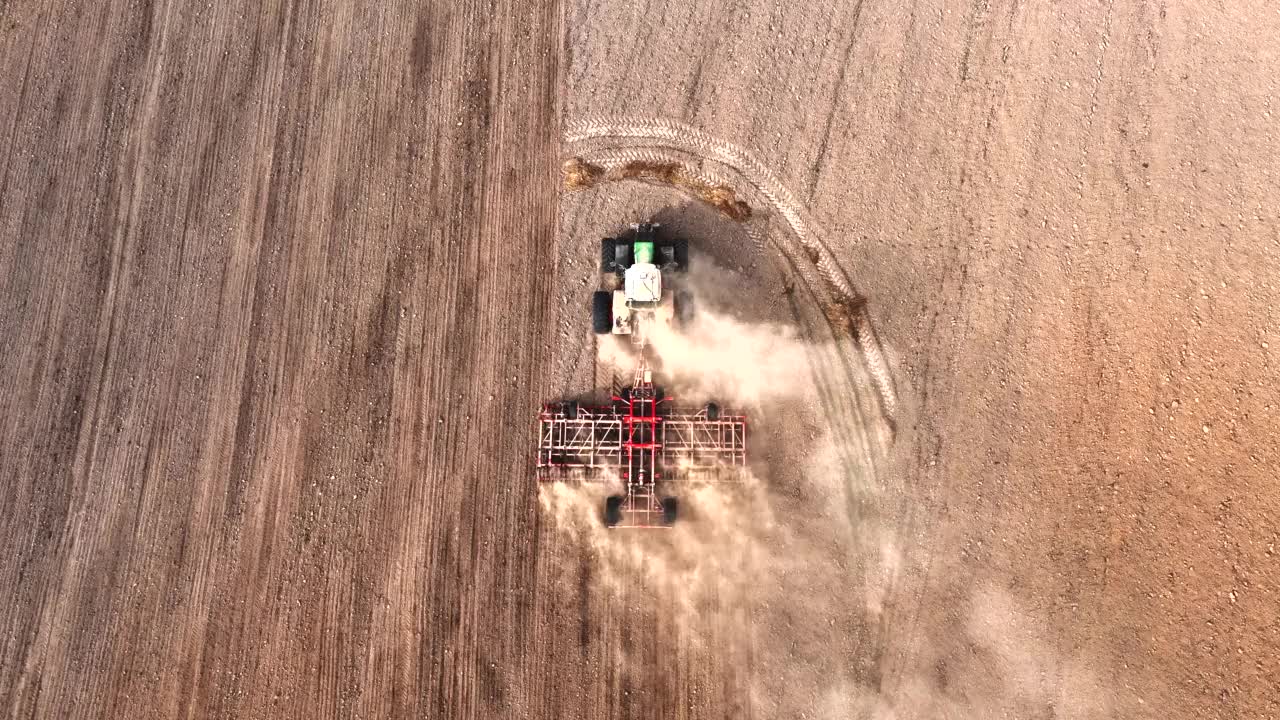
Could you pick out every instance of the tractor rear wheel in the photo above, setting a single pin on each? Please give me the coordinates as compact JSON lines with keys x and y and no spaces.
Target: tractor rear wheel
{"x":602,"y":312}
{"x":684,"y":309}
{"x":612,"y":510}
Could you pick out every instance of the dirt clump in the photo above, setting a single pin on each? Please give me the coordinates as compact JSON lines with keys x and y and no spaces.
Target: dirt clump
{"x":580,"y":174}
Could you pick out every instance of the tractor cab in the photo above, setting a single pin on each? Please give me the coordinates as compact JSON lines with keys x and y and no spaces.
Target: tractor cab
{"x":635,"y":263}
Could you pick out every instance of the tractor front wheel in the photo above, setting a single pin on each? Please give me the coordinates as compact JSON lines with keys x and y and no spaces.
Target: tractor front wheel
{"x":608,"y":255}
{"x":682,"y":254}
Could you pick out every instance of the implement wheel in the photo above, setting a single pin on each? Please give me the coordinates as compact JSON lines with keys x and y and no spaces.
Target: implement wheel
{"x":612,"y":510}
{"x":670,"y":507}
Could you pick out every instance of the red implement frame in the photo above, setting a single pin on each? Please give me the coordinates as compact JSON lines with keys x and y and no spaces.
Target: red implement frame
{"x":642,"y":440}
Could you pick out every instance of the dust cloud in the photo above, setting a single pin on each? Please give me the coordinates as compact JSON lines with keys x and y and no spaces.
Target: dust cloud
{"x":788,"y":569}
{"x":739,"y":365}
{"x":749,"y":365}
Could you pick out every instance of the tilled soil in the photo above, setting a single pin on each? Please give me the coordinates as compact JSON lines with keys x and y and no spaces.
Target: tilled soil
{"x":282,"y":287}
{"x":275,"y":283}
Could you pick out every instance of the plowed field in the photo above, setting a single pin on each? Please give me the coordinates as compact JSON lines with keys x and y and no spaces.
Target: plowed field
{"x":284,"y":284}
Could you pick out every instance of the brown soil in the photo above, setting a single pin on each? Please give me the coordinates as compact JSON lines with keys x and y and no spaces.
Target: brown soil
{"x":274,"y":292}
{"x":281,"y":289}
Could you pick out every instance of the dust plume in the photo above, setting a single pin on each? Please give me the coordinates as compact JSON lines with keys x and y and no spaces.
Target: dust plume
{"x":757,"y":366}
{"x":747,"y":366}
{"x":790,"y":571}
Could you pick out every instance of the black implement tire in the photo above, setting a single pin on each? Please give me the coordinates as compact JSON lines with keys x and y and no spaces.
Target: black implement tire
{"x":670,"y":508}
{"x":602,"y":312}
{"x":608,"y":255}
{"x":612,"y":510}
{"x":571,"y":410}
{"x":713,"y":411}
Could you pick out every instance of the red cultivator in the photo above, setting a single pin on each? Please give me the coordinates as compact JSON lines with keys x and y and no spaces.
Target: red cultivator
{"x":645,"y":443}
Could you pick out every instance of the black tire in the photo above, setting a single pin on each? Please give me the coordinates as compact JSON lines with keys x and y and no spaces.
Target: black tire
{"x":602,"y":312}
{"x":670,"y":509}
{"x":612,"y":510}
{"x":684,"y":309}
{"x":682,"y":254}
{"x":608,"y":255}
{"x":713,"y":411}
{"x":666,"y":257}
{"x":622,"y":257}
{"x":571,"y":410}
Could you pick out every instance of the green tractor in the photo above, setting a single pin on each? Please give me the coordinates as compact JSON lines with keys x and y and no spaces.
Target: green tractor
{"x":634,"y":264}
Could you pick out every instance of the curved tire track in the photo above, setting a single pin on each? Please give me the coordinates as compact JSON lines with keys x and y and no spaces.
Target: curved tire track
{"x":654,"y":136}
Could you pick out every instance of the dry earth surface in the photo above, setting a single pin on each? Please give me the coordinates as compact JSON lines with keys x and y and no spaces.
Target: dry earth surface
{"x":282,"y":286}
